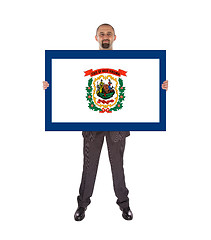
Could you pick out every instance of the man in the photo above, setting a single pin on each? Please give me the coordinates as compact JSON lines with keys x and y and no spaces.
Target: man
{"x":93,"y":142}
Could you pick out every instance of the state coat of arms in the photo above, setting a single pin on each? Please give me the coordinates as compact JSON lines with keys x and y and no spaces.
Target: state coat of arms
{"x":105,"y":91}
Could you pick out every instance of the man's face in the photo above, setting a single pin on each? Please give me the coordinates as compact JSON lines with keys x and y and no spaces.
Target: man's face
{"x":105,"y":36}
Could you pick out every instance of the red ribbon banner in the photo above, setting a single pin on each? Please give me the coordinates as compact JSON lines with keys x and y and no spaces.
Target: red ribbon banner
{"x":105,"y":70}
{"x":104,"y":101}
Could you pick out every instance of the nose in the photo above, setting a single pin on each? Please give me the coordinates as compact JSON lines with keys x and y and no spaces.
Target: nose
{"x":105,"y":36}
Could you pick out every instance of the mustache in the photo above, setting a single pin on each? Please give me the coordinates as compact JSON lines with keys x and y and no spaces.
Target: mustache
{"x":106,"y":40}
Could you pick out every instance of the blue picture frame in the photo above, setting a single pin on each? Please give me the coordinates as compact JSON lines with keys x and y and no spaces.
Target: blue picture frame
{"x":111,"y":126}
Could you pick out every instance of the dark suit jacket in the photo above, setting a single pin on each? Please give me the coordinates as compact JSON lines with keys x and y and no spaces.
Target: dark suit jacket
{"x":115,"y":135}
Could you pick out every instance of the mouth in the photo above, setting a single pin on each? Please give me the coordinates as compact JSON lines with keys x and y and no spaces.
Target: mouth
{"x":105,"y":41}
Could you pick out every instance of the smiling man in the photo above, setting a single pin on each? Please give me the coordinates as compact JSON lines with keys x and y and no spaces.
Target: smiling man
{"x":93,"y":142}
{"x":105,"y":36}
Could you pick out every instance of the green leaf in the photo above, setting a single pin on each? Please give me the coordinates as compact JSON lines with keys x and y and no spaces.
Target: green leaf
{"x":118,"y":106}
{"x":92,"y":106}
{"x":90,"y":82}
{"x":89,"y":97}
{"x":121,"y":97}
{"x":120,"y":82}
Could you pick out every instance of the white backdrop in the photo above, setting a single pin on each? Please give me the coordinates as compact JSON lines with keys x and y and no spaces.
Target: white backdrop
{"x":167,"y":173}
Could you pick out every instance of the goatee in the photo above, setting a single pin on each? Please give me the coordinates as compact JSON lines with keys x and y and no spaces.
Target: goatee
{"x":105,"y":45}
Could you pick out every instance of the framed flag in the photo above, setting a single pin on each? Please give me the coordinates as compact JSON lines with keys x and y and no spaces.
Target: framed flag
{"x":93,"y":90}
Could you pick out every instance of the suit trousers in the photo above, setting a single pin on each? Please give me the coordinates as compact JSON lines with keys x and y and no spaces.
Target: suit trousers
{"x":92,"y":150}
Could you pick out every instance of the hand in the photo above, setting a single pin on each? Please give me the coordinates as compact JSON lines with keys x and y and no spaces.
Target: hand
{"x":165,"y":85}
{"x":45,"y":85}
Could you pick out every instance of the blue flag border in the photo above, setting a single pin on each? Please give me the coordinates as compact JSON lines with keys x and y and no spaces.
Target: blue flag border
{"x":105,"y":126}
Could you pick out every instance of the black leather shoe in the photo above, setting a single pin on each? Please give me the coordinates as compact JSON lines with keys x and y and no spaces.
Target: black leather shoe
{"x":80,"y":214}
{"x":127,"y":213}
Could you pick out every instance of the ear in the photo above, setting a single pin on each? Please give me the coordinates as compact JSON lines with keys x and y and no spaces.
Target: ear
{"x":114,"y":37}
{"x":96,"y":38}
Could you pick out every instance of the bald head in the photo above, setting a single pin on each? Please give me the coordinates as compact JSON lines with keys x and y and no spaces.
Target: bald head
{"x":105,"y":24}
{"x":105,"y":36}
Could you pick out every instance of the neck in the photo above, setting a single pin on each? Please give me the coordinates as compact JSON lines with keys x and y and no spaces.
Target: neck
{"x":111,"y":48}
